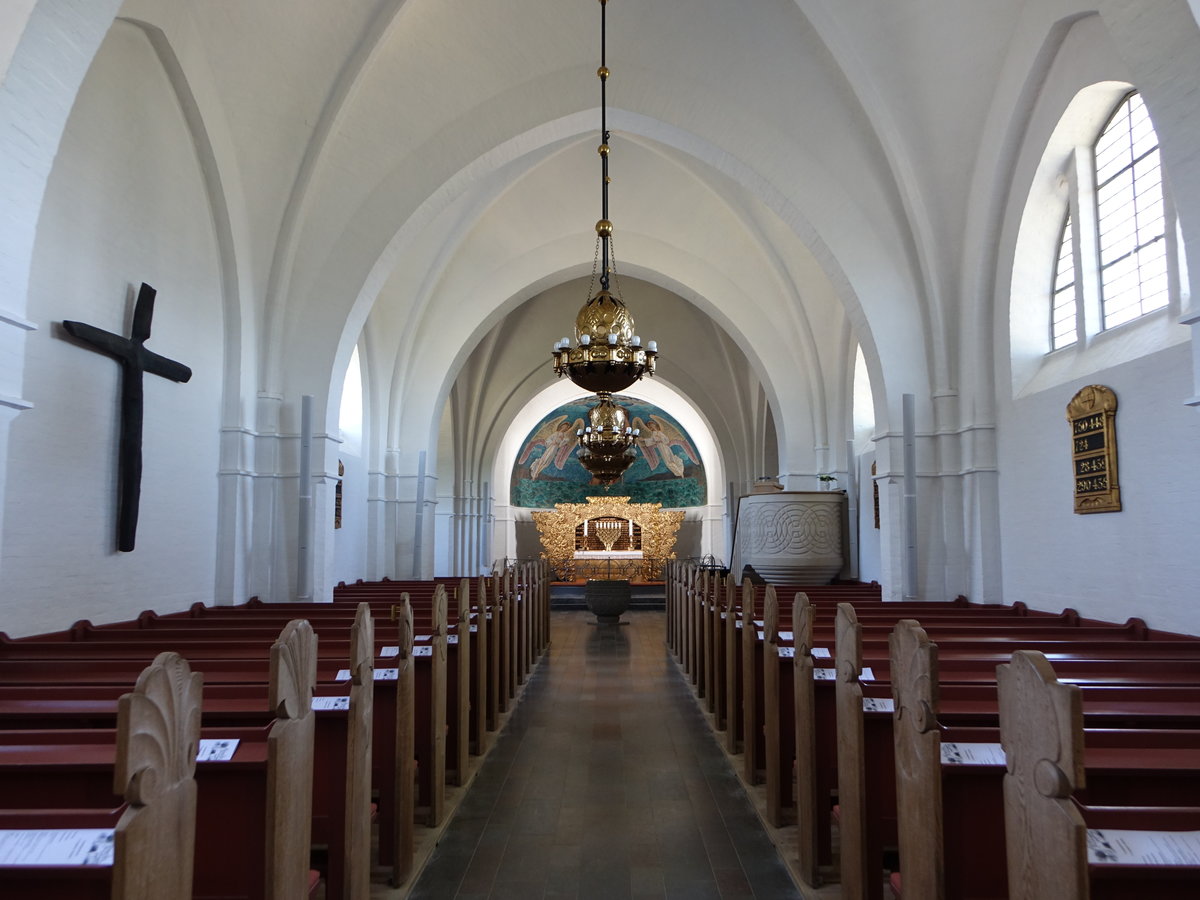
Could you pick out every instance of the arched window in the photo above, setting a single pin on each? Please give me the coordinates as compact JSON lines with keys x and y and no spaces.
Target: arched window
{"x":1064,"y":310}
{"x":1130,"y":218}
{"x":1114,"y":254}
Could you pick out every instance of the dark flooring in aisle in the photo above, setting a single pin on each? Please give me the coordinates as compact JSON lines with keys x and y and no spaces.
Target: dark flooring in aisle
{"x":606,"y":783}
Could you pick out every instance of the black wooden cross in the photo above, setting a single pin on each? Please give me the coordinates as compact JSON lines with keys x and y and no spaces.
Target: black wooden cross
{"x":134,"y":359}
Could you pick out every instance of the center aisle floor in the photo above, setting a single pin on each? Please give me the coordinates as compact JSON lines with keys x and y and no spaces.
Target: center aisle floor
{"x":606,"y":783}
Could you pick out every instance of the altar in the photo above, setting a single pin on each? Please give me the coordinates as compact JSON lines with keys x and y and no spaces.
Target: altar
{"x":608,"y":538}
{"x":616,"y":565}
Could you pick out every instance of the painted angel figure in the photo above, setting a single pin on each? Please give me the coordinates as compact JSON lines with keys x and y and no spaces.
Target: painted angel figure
{"x":659,"y":436}
{"x":557,"y":438}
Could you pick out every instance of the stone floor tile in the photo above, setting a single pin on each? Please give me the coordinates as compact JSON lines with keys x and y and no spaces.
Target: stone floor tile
{"x":606,"y":783}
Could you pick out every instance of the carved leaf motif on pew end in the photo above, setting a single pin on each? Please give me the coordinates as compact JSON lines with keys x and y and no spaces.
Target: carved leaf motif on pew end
{"x":159,"y":728}
{"x":914,"y":676}
{"x":404,"y":627}
{"x":294,"y":670}
{"x":362,"y":646}
{"x":848,"y":641}
{"x":770,"y":616}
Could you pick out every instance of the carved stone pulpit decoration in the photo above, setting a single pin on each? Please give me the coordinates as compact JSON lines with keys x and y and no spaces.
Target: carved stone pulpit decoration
{"x":792,"y":537}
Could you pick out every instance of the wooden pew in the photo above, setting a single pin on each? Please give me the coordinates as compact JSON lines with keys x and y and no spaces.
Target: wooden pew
{"x":341,"y":804}
{"x":768,"y":700}
{"x":822,"y":737}
{"x":404,"y":787}
{"x":291,"y":672}
{"x":355,"y":879}
{"x":779,"y":734}
{"x":968,"y":862}
{"x":159,"y":726}
{"x":341,"y":814}
{"x":1047,"y":834}
{"x":466,"y":649}
{"x":431,"y":735}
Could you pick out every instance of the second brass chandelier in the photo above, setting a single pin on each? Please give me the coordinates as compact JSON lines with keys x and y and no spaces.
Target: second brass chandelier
{"x":607,"y":355}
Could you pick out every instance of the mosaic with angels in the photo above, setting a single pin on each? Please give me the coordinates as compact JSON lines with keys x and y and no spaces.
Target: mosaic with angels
{"x":667,"y":468}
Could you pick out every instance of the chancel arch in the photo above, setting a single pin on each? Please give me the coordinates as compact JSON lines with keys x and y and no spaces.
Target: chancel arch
{"x":703,"y":528}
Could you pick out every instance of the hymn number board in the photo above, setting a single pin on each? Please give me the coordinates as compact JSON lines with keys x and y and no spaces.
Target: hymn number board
{"x":1092,"y":413}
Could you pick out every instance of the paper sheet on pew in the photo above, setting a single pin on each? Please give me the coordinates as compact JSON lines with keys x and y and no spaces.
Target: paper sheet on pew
{"x":964,"y":754}
{"x":56,"y":847}
{"x":216,"y":749}
{"x":867,"y":674}
{"x":879,"y":704}
{"x":325,"y":703}
{"x":389,"y":651}
{"x":1115,"y":846}
{"x":821,"y":653}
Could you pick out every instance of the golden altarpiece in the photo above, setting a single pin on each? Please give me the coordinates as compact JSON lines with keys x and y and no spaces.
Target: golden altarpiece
{"x":608,"y":538}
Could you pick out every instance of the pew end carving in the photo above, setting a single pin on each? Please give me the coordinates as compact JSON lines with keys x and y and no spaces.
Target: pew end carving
{"x":749,"y":686}
{"x":1041,"y":727}
{"x":357,"y":876}
{"x":437,"y":712}
{"x":771,"y":695}
{"x":804,"y":700}
{"x":918,"y":759}
{"x":158,"y":732}
{"x":290,"y":765}
{"x":405,"y":783}
{"x":857,"y":869}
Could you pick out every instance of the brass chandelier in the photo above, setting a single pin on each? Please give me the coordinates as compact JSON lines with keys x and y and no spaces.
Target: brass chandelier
{"x":607,"y":355}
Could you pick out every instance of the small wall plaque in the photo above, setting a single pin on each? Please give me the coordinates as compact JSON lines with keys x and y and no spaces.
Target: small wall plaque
{"x":1092,"y":413}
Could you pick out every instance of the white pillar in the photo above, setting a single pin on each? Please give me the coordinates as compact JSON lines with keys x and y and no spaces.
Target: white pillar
{"x":910,"y":498}
{"x":852,"y":507}
{"x":304,"y":507}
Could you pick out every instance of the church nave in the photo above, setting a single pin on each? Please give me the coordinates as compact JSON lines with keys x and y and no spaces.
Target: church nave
{"x":606,"y":783}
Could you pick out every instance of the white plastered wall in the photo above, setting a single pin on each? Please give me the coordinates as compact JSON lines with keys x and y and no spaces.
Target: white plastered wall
{"x":1111,"y":565}
{"x":125,"y":202}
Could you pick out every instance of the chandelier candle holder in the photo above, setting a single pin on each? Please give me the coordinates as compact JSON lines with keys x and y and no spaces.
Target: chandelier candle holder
{"x":607,"y":355}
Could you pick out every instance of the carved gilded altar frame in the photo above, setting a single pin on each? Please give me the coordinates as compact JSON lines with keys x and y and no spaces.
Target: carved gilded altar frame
{"x":659,"y":531}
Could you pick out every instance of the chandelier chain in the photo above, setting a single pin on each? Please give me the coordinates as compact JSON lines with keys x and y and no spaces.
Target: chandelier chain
{"x":616,"y":278}
{"x":607,"y":355}
{"x":595,"y":269}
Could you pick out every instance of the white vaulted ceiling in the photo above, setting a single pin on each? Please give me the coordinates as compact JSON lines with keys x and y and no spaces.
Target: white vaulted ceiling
{"x":798,"y":171}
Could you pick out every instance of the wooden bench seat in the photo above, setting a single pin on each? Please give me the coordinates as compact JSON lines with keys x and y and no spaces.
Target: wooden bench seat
{"x":284,"y":683}
{"x":152,"y":766}
{"x":1047,"y":831}
{"x":921,"y":777}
